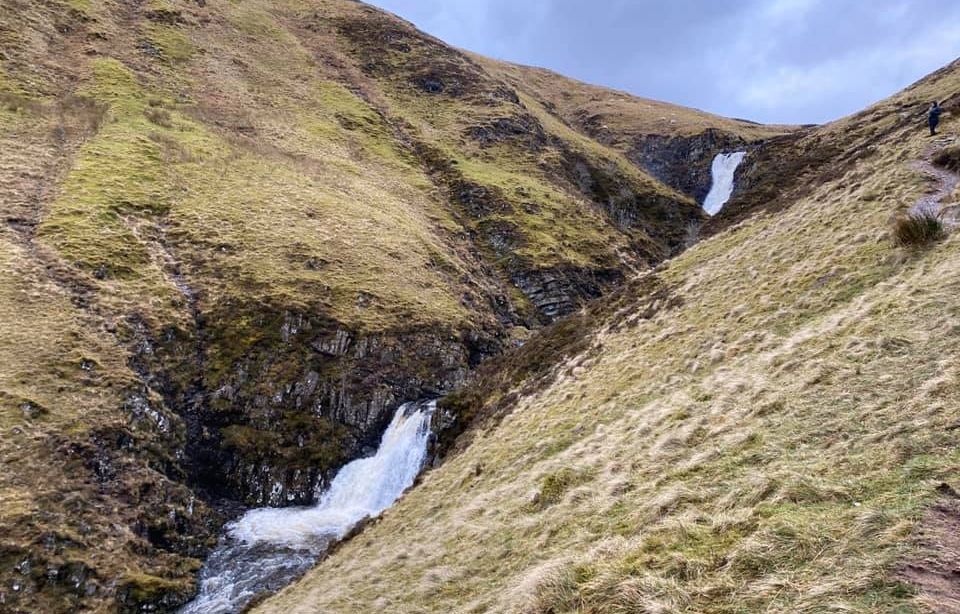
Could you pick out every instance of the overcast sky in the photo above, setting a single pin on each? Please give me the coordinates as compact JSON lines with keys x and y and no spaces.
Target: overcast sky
{"x":789,"y":61}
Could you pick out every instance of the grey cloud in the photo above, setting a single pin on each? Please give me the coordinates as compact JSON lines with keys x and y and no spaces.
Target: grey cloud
{"x":791,"y":61}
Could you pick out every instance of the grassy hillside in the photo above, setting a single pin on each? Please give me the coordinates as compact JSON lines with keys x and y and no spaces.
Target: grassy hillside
{"x":236,"y":235}
{"x":761,"y":424}
{"x":674,"y":144}
{"x":618,"y":115}
{"x":89,"y":481}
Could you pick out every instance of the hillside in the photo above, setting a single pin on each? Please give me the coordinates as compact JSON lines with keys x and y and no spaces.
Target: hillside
{"x":237,"y":235}
{"x":766,"y":423}
{"x":672,"y":143}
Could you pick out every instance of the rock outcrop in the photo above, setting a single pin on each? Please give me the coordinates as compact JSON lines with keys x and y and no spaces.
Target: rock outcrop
{"x":683,"y":162}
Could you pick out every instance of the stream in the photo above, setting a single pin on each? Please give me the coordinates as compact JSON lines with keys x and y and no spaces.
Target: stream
{"x":268,"y":548}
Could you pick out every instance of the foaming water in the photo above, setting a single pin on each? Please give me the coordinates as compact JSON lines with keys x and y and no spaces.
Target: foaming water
{"x":269,"y":547}
{"x":722,"y":171}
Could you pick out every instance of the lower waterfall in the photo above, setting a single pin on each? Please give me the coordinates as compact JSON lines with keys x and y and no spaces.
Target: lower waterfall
{"x":267,"y":548}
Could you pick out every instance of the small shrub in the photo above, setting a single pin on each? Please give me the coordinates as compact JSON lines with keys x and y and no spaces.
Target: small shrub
{"x":949,"y":159}
{"x":555,"y":486}
{"x":160,"y":117}
{"x":17,"y":104}
{"x":918,"y":229}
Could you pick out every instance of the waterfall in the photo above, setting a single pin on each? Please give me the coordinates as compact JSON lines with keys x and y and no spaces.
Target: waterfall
{"x":722,"y":170}
{"x":269,"y":547}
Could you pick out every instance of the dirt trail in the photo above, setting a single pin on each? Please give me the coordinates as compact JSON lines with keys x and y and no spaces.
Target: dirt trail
{"x":935,"y":569}
{"x":946,"y":183}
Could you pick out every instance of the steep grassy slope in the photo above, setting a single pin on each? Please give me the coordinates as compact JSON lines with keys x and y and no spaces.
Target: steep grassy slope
{"x":758,"y":425}
{"x":236,"y":235}
{"x":675,"y":144}
{"x":621,"y":116}
{"x":91,"y":493}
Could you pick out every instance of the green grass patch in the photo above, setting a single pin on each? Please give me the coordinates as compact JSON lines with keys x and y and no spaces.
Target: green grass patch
{"x":555,"y":485}
{"x":172,"y":43}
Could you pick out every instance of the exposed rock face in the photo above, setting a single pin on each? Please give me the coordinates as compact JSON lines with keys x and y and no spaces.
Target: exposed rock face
{"x":141,"y":464}
{"x":335,"y":345}
{"x":522,"y":128}
{"x":272,"y":427}
{"x":631,"y":209}
{"x":557,"y":292}
{"x":684,"y":162}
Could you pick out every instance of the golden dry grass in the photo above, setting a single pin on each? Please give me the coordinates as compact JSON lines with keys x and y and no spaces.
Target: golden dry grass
{"x":621,"y":116}
{"x":259,"y":140}
{"x":249,"y":146}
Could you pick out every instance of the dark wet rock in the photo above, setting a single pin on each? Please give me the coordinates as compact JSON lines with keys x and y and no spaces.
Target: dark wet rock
{"x":478,"y":200}
{"x":284,"y":415}
{"x":633,"y":208}
{"x":435,"y":84}
{"x":684,"y":163}
{"x":523,"y":129}
{"x":559,"y":291}
{"x":502,"y":92}
{"x":150,"y":49}
{"x":32,"y":411}
{"x":164,"y":15}
{"x":503,"y":237}
{"x":146,"y":593}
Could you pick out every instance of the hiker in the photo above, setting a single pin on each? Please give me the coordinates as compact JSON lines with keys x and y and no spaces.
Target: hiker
{"x":933,"y":117}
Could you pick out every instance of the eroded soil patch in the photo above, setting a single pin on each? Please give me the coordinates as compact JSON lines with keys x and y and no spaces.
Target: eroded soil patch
{"x":935,"y":569}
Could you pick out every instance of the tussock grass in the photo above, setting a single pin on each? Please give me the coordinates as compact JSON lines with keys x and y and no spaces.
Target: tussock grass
{"x":917,"y":230}
{"x":555,"y":485}
{"x":726,"y":429}
{"x":237,"y":167}
{"x":949,"y":159}
{"x":160,"y":117}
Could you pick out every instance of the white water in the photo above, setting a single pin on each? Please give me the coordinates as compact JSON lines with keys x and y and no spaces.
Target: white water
{"x":722,"y":170}
{"x":362,"y":488}
{"x":268,"y":547}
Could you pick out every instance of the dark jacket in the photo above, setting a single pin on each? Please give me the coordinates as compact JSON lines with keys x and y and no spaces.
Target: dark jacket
{"x":934,"y":116}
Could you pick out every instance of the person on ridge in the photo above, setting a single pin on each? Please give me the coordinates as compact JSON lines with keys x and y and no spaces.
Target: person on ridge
{"x":933,"y":117}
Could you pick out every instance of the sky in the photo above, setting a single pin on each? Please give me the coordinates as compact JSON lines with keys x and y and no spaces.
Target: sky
{"x":773,"y":61}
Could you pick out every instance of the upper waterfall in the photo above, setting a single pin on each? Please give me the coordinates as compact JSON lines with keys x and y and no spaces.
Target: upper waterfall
{"x":722,"y":171}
